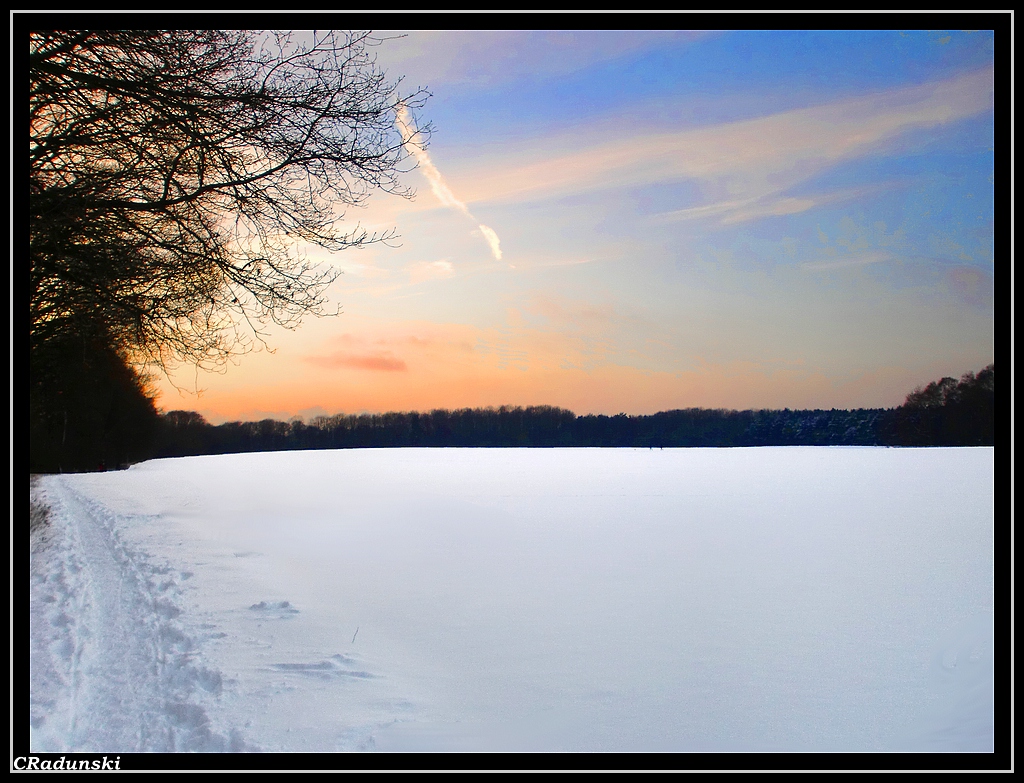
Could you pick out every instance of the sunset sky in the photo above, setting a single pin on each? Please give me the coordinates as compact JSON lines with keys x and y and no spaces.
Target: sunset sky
{"x":641,"y":221}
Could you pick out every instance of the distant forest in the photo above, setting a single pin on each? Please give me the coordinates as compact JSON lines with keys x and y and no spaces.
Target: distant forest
{"x":947,"y":412}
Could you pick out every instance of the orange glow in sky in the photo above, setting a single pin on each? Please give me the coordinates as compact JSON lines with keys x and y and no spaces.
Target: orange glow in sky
{"x":660,"y":220}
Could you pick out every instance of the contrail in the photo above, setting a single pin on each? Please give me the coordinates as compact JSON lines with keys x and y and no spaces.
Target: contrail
{"x":444,"y":194}
{"x":492,"y":240}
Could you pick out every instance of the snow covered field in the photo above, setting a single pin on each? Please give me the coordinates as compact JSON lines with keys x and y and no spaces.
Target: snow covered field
{"x":772,"y":599}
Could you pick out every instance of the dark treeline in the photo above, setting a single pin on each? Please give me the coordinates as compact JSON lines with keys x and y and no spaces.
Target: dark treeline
{"x":88,"y":408}
{"x":944,"y":413}
{"x":186,"y":433}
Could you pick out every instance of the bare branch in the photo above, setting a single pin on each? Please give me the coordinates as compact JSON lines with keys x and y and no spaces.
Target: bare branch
{"x":173,"y":172}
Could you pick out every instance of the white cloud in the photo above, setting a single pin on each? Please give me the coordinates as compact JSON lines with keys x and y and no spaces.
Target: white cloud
{"x":770,"y":208}
{"x":410,"y":136}
{"x":748,"y":164}
{"x":742,"y":210}
{"x":492,"y":240}
{"x":407,"y":127}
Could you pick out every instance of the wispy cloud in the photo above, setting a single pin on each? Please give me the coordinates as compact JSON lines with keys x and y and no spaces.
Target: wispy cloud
{"x":488,"y":58}
{"x":748,"y":166}
{"x":772,"y":205}
{"x":492,"y":240}
{"x":861,"y":259}
{"x":410,"y":134}
{"x":384,"y":362}
{"x":430,"y":270}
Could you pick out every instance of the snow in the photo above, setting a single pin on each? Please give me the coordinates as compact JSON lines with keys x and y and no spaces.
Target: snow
{"x":770,"y":599}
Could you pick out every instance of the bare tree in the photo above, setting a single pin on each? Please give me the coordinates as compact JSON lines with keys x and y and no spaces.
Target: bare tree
{"x":174,"y":175}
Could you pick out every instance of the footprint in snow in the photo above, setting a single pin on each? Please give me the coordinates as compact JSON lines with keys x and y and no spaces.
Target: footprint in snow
{"x":336,"y":667}
{"x":275,"y":608}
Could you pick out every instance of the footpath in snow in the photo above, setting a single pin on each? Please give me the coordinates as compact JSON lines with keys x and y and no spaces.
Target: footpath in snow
{"x":111,"y":668}
{"x":836,"y":599}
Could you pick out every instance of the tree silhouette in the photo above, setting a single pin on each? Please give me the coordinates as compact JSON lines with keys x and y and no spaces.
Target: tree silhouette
{"x":88,"y":408}
{"x":946,"y":412}
{"x":173,"y":172}
{"x":173,"y":176}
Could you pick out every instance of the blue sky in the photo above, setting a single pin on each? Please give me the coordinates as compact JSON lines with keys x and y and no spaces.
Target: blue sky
{"x":638,"y":221}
